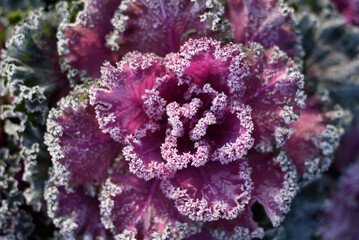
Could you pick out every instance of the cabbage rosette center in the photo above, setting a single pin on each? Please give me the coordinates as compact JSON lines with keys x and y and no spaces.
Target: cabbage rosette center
{"x":190,"y":118}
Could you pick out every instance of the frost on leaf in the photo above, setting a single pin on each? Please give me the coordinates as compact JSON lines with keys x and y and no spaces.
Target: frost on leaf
{"x":136,"y":209}
{"x":268,"y":22}
{"x":316,"y":137}
{"x":81,"y":152}
{"x":119,"y":96}
{"x":274,"y":186}
{"x":107,"y":30}
{"x":341,"y":221}
{"x":35,"y":164}
{"x":274,"y":91}
{"x":31,"y":71}
{"x":76,"y":214}
{"x":162,"y":26}
{"x":14,"y":221}
{"x":83,"y":44}
{"x":203,"y":103}
{"x":211,"y":192}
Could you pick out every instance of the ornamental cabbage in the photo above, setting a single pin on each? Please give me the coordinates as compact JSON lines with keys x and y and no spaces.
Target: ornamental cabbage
{"x":166,"y":119}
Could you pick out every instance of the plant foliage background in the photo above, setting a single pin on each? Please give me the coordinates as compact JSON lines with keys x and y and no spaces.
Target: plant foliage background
{"x":77,"y":158}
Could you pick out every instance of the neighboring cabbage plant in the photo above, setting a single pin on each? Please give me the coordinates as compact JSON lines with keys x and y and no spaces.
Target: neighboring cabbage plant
{"x":341,"y":221}
{"x":32,"y":76}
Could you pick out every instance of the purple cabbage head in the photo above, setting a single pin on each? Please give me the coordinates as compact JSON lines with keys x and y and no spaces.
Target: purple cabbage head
{"x":182,"y":134}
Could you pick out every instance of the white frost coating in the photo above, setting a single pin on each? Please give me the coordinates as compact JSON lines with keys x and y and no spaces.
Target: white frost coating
{"x":113,"y":78}
{"x":12,"y":129}
{"x":175,"y":112}
{"x":193,"y":47}
{"x":174,"y":231}
{"x":151,"y":27}
{"x":177,"y":232}
{"x":200,"y":209}
{"x":67,"y":225}
{"x":239,"y":72}
{"x":126,"y":235}
{"x":16,"y":69}
{"x":327,"y":142}
{"x":281,"y":135}
{"x":63,"y":42}
{"x":219,"y":105}
{"x":288,"y":114}
{"x":215,"y":16}
{"x":156,"y":167}
{"x":232,"y":151}
{"x":109,"y":190}
{"x":289,"y":189}
{"x":119,"y":23}
{"x":138,"y":167}
{"x":31,"y":194}
{"x":177,"y":161}
{"x":201,"y":126}
{"x":54,"y":132}
{"x":153,"y":105}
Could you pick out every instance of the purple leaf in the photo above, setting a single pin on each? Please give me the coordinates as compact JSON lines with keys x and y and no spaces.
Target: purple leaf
{"x":76,"y":214}
{"x":162,"y":26}
{"x":211,"y":192}
{"x":85,"y":40}
{"x":136,"y":209}
{"x":268,"y":22}
{"x":81,"y":152}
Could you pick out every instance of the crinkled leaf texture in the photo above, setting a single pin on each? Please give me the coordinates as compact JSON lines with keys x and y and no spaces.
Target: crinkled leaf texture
{"x":76,"y":214}
{"x":202,"y":131}
{"x":81,"y":152}
{"x":83,"y":44}
{"x":268,"y":22}
{"x":332,"y":55}
{"x":188,"y":121}
{"x":317,"y":136}
{"x":31,"y":68}
{"x":14,"y":221}
{"x":106,"y":30}
{"x":136,"y":209}
{"x":202,"y":118}
{"x":32,"y":76}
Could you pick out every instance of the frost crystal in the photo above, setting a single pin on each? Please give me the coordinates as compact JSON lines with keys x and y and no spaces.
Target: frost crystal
{"x":76,"y":214}
{"x":81,"y":153}
{"x":134,"y":25}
